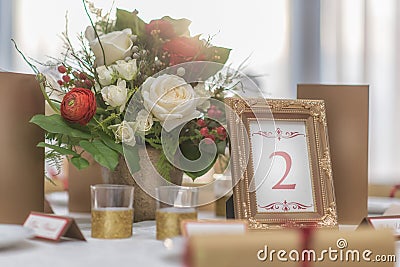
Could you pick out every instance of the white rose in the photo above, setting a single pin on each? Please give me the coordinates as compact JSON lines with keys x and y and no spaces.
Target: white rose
{"x":116,"y":95}
{"x":126,"y":70}
{"x":170,"y":99}
{"x":203,"y":96}
{"x":124,"y":133}
{"x":117,"y":45}
{"x":144,"y":121}
{"x":106,"y":75}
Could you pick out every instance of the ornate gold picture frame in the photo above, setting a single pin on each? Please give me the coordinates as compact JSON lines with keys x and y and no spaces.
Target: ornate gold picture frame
{"x":281,"y":163}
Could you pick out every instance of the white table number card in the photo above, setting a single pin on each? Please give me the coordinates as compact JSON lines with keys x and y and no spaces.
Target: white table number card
{"x":289,"y":172}
{"x":281,"y":163}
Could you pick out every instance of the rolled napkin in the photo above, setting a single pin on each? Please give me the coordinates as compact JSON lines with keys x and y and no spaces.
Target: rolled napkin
{"x":300,"y":248}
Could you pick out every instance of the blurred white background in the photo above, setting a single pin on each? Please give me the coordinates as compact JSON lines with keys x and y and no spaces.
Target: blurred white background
{"x":288,"y":41}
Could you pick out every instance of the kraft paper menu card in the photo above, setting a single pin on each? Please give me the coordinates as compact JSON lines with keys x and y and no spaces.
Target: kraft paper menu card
{"x":347,"y":109}
{"x":21,"y":162}
{"x":79,"y":182}
{"x":283,"y":248}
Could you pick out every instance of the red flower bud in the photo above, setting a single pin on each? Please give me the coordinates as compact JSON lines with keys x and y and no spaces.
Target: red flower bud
{"x":211,"y":113}
{"x":88,"y":83}
{"x":221,"y":130}
{"x":62,"y":69}
{"x":78,"y":106}
{"x":60,"y":82}
{"x":78,"y":83}
{"x":201,"y":123}
{"x":204,"y":131}
{"x":82,"y":76}
{"x":162,"y":28}
{"x":210,"y":139}
{"x":218,"y":113}
{"x":184,"y":49}
{"x":66,"y":78}
{"x":210,"y":136}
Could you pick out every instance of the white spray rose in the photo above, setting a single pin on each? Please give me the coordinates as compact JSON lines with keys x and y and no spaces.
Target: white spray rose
{"x":124,"y":133}
{"x":170,"y":99}
{"x":116,"y":95}
{"x":126,"y":70}
{"x":117,"y":45}
{"x":106,"y":75}
{"x":144,"y":121}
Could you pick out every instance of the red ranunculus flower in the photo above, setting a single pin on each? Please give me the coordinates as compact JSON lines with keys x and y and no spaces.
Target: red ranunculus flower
{"x":162,"y":28}
{"x":78,"y":106}
{"x":184,"y":49}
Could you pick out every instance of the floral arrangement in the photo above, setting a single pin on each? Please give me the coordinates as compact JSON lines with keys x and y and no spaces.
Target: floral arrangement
{"x":115,"y":64}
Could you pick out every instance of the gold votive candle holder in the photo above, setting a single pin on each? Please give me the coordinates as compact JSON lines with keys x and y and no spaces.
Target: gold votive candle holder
{"x":112,"y":211}
{"x":174,"y":204}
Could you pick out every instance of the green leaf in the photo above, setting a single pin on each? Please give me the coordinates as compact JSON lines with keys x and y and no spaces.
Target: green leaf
{"x":218,"y":54}
{"x":56,"y":124}
{"x":221,"y":146}
{"x":181,"y":26}
{"x":164,"y":167}
{"x":126,"y":19}
{"x":101,"y":153}
{"x":191,"y":152}
{"x":111,"y":143}
{"x":132,"y":158}
{"x":170,"y":143}
{"x":79,"y":162}
{"x":61,"y":150}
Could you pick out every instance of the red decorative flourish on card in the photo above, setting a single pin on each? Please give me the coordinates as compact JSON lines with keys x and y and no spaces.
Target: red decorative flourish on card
{"x":285,"y":206}
{"x":279,"y":134}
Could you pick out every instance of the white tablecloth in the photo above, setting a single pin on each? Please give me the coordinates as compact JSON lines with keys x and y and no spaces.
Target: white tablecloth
{"x":141,"y":250}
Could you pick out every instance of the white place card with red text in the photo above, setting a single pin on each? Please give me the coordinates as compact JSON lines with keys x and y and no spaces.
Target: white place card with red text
{"x":52,"y":227}
{"x":386,"y":222}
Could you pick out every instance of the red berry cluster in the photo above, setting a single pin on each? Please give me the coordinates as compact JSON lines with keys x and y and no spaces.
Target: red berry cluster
{"x":214,"y":112}
{"x":80,"y":79}
{"x":211,"y":134}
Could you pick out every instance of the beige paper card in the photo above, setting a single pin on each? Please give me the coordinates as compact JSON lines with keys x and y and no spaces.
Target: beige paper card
{"x":21,"y":162}
{"x":347,"y":115}
{"x":79,"y":185}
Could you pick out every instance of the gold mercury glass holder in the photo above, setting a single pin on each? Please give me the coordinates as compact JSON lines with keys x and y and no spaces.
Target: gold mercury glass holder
{"x":112,"y":211}
{"x":174,"y":204}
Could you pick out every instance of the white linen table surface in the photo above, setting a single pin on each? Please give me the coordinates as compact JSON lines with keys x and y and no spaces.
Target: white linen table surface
{"x":141,"y":250}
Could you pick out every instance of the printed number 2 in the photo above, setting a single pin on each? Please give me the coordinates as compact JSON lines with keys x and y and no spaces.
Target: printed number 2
{"x":288,"y":161}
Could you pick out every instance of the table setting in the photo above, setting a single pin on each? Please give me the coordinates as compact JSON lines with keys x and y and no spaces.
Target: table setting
{"x":171,"y":162}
